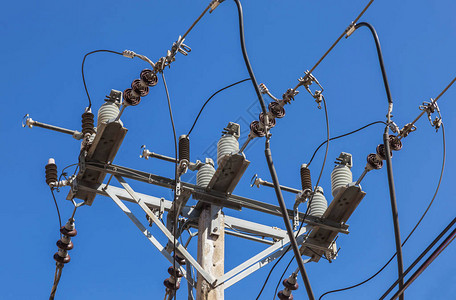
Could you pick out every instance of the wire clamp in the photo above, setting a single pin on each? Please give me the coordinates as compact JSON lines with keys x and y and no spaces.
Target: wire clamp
{"x":214,"y":4}
{"x":350,"y":29}
{"x":430,"y":108}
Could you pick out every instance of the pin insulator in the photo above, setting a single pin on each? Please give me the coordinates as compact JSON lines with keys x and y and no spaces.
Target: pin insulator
{"x":284,"y":297}
{"x":290,"y":285}
{"x":306,"y":181}
{"x":173,"y":286}
{"x":381,"y":151}
{"x":180,"y":259}
{"x":51,"y":172}
{"x":87,"y":122}
{"x":175,"y":272}
{"x":184,"y":148}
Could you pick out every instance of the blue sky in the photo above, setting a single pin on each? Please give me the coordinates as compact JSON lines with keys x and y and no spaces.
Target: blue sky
{"x":44,"y":43}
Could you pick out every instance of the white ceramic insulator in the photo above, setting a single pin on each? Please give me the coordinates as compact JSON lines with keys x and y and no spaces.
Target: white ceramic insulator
{"x":340,"y":177}
{"x":204,"y":175}
{"x":226,"y":145}
{"x":107,"y":111}
{"x":319,"y":203}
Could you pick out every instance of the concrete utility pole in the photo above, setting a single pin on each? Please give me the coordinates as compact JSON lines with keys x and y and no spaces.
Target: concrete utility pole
{"x":211,"y":251}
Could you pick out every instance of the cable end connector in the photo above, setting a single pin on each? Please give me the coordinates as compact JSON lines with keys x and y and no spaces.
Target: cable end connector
{"x":350,"y":29}
{"x":214,"y":4}
{"x":129,"y":53}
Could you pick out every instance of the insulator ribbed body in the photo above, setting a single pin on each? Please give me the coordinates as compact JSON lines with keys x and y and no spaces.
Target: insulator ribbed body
{"x":107,"y":111}
{"x":184,"y":148}
{"x":226,"y":145}
{"x":51,"y":172}
{"x":204,"y":175}
{"x":306,"y":181}
{"x":319,"y":204}
{"x":340,"y":177}
{"x":87,"y":122}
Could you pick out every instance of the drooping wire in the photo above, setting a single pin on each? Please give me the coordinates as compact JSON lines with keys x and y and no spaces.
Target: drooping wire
{"x":82,"y":70}
{"x":283,"y":274}
{"x":310,"y":200}
{"x":411,"y":232}
{"x":175,"y":171}
{"x":341,"y":136}
{"x":209,"y":99}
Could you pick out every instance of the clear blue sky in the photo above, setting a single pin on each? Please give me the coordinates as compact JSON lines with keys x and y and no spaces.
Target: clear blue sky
{"x":43,"y":46}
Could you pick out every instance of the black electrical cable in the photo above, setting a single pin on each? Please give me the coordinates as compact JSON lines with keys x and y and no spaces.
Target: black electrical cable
{"x":428,"y":261}
{"x":340,"y":136}
{"x":389,"y":165}
{"x":417,"y":260}
{"x":175,"y":172}
{"x":269,"y":160}
{"x":209,"y":99}
{"x":310,"y":200}
{"x":82,"y":70}
{"x":57,"y":207}
{"x":411,"y":232}
{"x":281,"y":277}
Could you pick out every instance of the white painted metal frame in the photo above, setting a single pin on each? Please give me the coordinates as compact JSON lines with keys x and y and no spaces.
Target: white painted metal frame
{"x":246,"y":268}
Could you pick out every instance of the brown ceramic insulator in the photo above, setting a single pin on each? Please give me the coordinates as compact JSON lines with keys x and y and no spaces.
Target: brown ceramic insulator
{"x":63,"y":260}
{"x":306,"y":181}
{"x":395,"y":143}
{"x":131,"y":98}
{"x":276,"y":110}
{"x":175,"y":272}
{"x":184,"y":148}
{"x":271,"y":120}
{"x":381,"y":151}
{"x":70,"y":233}
{"x":374,"y":162}
{"x":257,"y":129}
{"x":64,"y":246}
{"x":289,"y":285}
{"x":283,"y":297}
{"x":171,"y":286}
{"x":87,"y":123}
{"x":51,"y":173}
{"x":140,"y":88}
{"x":149,"y":77}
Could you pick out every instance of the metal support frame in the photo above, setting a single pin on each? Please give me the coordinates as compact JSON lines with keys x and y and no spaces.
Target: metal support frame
{"x":248,"y":267}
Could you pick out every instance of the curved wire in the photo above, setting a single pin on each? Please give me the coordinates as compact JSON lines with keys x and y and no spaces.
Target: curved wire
{"x":340,"y":136}
{"x":57,"y":207}
{"x":209,"y":99}
{"x":82,"y":70}
{"x":412,"y":231}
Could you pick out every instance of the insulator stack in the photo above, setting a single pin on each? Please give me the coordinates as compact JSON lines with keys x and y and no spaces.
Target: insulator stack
{"x":88,"y":122}
{"x":373,"y":162}
{"x":184,"y":148}
{"x":65,"y":244}
{"x":341,"y":175}
{"x":140,"y":87}
{"x":395,"y":143}
{"x":51,"y":171}
{"x":290,"y":285}
{"x":306,"y":181}
{"x":227,"y":144}
{"x":318,"y":205}
{"x":110,"y":109}
{"x":277,"y":110}
{"x":205,"y":173}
